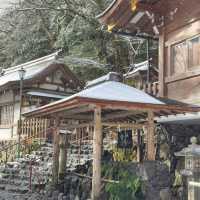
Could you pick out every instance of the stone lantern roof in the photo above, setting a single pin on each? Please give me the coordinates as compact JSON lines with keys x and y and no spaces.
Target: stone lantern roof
{"x":193,"y":150}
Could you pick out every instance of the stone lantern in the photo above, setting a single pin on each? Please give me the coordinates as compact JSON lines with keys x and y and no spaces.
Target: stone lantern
{"x":192,"y":168}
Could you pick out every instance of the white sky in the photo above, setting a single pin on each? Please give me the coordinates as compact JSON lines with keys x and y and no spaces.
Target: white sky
{"x":6,"y":3}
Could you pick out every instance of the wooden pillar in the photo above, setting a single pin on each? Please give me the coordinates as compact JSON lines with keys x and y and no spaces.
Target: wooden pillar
{"x":97,"y":148}
{"x":55,"y":168}
{"x":63,"y":155}
{"x":150,"y":137}
{"x":161,"y":65}
{"x":45,"y":130}
{"x":138,"y":145}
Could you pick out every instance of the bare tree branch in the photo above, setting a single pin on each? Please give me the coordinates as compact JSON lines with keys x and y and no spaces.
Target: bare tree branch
{"x":7,"y":22}
{"x":58,"y":9}
{"x":45,"y":28}
{"x":4,"y":31}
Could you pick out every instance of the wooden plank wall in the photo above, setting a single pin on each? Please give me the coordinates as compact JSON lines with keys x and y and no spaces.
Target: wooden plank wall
{"x":185,"y":25}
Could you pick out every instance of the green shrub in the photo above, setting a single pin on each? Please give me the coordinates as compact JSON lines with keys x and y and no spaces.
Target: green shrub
{"x":128,"y":186}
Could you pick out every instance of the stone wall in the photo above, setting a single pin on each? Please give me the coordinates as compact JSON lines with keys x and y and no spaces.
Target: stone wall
{"x":154,"y":175}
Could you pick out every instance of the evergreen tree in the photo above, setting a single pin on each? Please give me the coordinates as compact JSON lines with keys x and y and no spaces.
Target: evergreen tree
{"x":32,"y":29}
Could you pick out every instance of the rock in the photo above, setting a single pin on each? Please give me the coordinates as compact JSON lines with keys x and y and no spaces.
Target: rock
{"x":76,"y":198}
{"x":64,"y":198}
{"x":71,"y":196}
{"x":55,"y":195}
{"x":34,"y":196}
{"x":67,"y":185}
{"x":165,"y":194}
{"x":2,"y":187}
{"x":60,"y":196}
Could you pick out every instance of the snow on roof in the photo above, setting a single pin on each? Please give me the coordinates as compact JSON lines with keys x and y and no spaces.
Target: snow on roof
{"x":143,"y":66}
{"x":46,"y":94}
{"x":111,"y":76}
{"x":32,"y":68}
{"x":110,"y":91}
{"x":117,"y":91}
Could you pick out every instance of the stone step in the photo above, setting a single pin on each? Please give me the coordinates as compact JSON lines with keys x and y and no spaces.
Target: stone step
{"x":19,"y":180}
{"x":23,"y":183}
{"x":5,"y":195}
{"x":14,"y":176}
{"x":14,"y":189}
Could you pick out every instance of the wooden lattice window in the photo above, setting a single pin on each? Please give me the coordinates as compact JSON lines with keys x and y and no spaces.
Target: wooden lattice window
{"x":6,"y":115}
{"x":194,"y":52}
{"x":179,"y":58}
{"x":185,"y":56}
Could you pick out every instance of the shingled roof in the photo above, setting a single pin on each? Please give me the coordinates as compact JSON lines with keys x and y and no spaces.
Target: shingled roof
{"x":34,"y":69}
{"x":114,"y":94}
{"x":144,"y":18}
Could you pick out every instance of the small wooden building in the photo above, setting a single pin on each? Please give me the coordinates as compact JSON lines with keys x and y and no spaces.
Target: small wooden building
{"x":104,"y":106}
{"x":175,"y":24}
{"x":143,"y":76}
{"x":46,"y":79}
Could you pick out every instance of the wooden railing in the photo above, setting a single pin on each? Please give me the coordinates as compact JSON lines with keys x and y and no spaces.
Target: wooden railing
{"x":151,"y":88}
{"x":32,"y":130}
{"x":34,"y":127}
{"x":9,"y":152}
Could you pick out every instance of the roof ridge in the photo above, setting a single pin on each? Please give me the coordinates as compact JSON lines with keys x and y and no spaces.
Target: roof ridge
{"x":31,"y":63}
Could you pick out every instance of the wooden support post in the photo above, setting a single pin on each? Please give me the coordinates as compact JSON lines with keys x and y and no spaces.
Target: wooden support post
{"x":150,"y":137}
{"x":79,"y":144}
{"x":35,"y":126}
{"x":55,"y":152}
{"x":63,"y":155}
{"x":45,"y":129}
{"x":162,"y":65}
{"x":97,"y":148}
{"x":28,"y":127}
{"x":138,"y":145}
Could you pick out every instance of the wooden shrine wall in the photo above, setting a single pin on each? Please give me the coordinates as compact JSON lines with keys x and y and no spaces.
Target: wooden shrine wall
{"x":179,"y":58}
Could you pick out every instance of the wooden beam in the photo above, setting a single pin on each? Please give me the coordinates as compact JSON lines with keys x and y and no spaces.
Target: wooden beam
{"x":150,"y":137}
{"x":107,"y":124}
{"x":165,"y":113}
{"x":113,"y":13}
{"x":97,"y":148}
{"x":73,"y":126}
{"x":162,"y":65}
{"x":110,"y":116}
{"x":63,"y":155}
{"x":124,"y":125}
{"x":53,"y":108}
{"x":89,"y":177}
{"x":122,"y":106}
{"x":138,"y":146}
{"x":55,"y":152}
{"x":78,"y":110}
{"x":120,"y":114}
{"x":87,"y":117}
{"x":143,"y":107}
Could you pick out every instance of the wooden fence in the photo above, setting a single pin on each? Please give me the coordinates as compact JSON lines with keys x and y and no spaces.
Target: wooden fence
{"x":82,"y":135}
{"x":34,"y":128}
{"x":151,"y":88}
